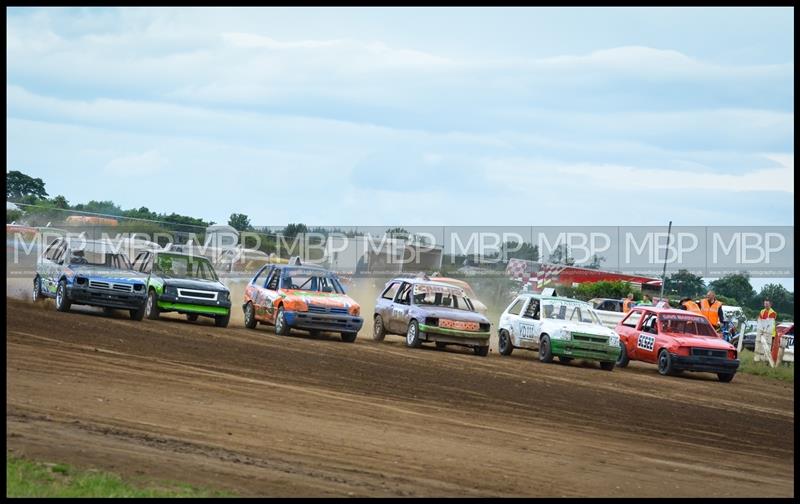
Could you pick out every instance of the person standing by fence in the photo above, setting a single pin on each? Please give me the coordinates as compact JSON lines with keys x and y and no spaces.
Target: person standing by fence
{"x":765,"y":347}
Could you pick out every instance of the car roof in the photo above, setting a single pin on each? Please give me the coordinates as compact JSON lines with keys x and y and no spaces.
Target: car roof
{"x":172,"y":252}
{"x":421,"y":281}
{"x":658,"y":310}
{"x":555,"y":298}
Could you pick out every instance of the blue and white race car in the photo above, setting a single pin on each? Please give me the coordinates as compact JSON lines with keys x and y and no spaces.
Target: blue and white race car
{"x":76,"y":271}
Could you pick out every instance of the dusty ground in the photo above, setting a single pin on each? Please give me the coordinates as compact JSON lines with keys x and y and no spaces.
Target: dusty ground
{"x":258,"y":414}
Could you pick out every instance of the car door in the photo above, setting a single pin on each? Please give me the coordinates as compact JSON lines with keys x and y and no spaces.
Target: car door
{"x":46,"y":265}
{"x":529,"y":324}
{"x":645,"y":348}
{"x":268,"y":293}
{"x":384,"y":303}
{"x":509,"y":320}
{"x":398,"y":319}
{"x":627,"y":330}
{"x":54,"y":266}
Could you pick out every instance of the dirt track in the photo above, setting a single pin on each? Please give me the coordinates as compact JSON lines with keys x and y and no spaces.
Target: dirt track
{"x":259,"y":414}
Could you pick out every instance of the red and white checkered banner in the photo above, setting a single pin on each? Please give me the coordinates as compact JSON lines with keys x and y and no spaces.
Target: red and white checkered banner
{"x":536,"y":275}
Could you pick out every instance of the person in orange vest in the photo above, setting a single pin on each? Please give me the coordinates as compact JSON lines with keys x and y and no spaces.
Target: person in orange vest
{"x":627,"y":303}
{"x":688,"y":304}
{"x":711,"y":308}
{"x":765,"y":314}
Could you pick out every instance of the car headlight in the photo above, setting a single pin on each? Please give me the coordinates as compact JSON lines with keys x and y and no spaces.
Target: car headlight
{"x":170,"y":290}
{"x":295,"y":305}
{"x":224,"y":296}
{"x":613,"y":340}
{"x":566,"y":334}
{"x":355,"y":310}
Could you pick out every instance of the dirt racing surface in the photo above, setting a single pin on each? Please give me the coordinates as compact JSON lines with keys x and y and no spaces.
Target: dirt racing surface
{"x":258,"y":414}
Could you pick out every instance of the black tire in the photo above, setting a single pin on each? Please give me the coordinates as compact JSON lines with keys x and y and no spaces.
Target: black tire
{"x":151,"y":310}
{"x":622,"y":360}
{"x":725,"y":377}
{"x":440,"y":345}
{"x":62,"y":299}
{"x":250,"y":321}
{"x":481,"y":351}
{"x":504,"y":345}
{"x":281,"y":327}
{"x":564,"y":360}
{"x":412,"y":335}
{"x":349,"y":337}
{"x":545,"y":352}
{"x":378,"y":329}
{"x":192,"y":317}
{"x":221,"y":320}
{"x":37,"y":289}
{"x":137,"y":314}
{"x":607,"y":365}
{"x":665,"y":363}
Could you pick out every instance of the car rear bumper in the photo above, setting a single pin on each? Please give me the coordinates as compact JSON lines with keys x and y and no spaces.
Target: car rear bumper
{"x":107,"y":299}
{"x":435,"y":333}
{"x":584,"y":350}
{"x":704,"y":364}
{"x":323,"y":321}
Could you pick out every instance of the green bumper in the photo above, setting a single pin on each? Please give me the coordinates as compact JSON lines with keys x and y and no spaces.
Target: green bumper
{"x":584,"y":350}
{"x":468,"y":335}
{"x":191,"y":308}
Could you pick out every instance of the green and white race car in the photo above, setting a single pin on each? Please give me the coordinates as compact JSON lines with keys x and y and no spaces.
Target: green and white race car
{"x":556,"y":326}
{"x":183,"y":283}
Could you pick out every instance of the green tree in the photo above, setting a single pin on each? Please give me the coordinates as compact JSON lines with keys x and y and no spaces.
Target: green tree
{"x":782,"y":299}
{"x":526,"y":251}
{"x":18,"y":185}
{"x":561,"y":255}
{"x":61,"y":202}
{"x":13,"y":216}
{"x":685,"y":284}
{"x":614,"y":289}
{"x":735,"y":286}
{"x":240,"y":222}
{"x":398,"y":232}
{"x":293,"y":230}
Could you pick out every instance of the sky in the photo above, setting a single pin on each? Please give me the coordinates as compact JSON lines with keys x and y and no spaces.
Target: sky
{"x":410,"y":116}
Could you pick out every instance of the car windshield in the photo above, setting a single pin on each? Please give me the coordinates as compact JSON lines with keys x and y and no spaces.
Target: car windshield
{"x":686,"y":324}
{"x":99,"y":256}
{"x":306,"y":279}
{"x":441,"y":295}
{"x":564,"y":309}
{"x":181,"y":266}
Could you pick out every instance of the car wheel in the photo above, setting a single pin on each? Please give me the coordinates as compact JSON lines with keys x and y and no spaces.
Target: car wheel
{"x":504,"y":345}
{"x":378,"y":330}
{"x":62,"y":300}
{"x":151,"y":310}
{"x":137,"y":314}
{"x":664,"y":362}
{"x":192,"y":317}
{"x":607,"y":365}
{"x":349,"y":337}
{"x":622,"y":360}
{"x":37,"y":289}
{"x":725,"y":377}
{"x":412,"y":335}
{"x":221,"y":320}
{"x":564,"y":360}
{"x":545,"y":352}
{"x":249,"y":316}
{"x":481,"y":351}
{"x":281,"y":327}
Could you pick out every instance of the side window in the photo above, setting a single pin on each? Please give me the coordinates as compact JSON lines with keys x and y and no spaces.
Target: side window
{"x":59,"y":253}
{"x":649,"y":324}
{"x":147,"y":264}
{"x":632,"y":320}
{"x":404,"y":295}
{"x":517,"y":306}
{"x":608,"y":306}
{"x":272,"y":280}
{"x":51,"y":250}
{"x":391,"y":291}
{"x":139,"y":262}
{"x":261,"y":277}
{"x":532,"y":310}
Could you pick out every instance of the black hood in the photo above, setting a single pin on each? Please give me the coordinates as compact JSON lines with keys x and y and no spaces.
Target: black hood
{"x":192,"y":283}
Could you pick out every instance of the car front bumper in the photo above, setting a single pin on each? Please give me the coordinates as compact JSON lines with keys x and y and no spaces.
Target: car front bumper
{"x":167,"y":302}
{"x":704,"y":364}
{"x":323,"y":321}
{"x":435,"y":333}
{"x":107,"y":299}
{"x":584,"y":350}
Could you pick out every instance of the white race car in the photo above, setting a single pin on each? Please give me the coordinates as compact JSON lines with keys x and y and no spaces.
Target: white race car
{"x":556,"y":326}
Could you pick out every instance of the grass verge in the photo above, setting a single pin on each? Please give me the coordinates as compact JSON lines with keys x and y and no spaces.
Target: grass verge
{"x":25,"y":478}
{"x":784,"y":371}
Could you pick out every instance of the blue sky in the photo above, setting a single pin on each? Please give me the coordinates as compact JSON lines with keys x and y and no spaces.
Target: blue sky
{"x":428,"y":116}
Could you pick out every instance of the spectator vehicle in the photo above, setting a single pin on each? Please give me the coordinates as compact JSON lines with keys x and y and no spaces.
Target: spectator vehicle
{"x":183,"y":283}
{"x":749,"y":341}
{"x":675,"y":340}
{"x":76,"y":271}
{"x":296,"y":296}
{"x":425,"y":309}
{"x":557,"y":327}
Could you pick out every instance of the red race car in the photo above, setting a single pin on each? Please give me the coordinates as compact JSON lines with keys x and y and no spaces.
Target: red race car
{"x":675,"y":340}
